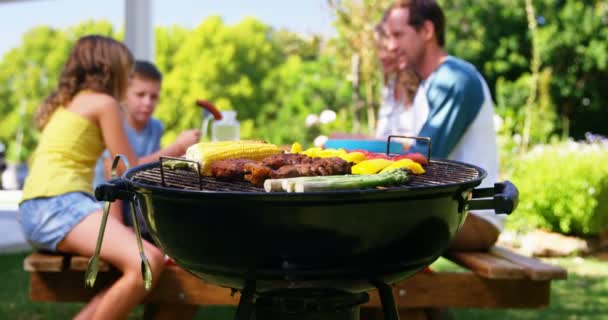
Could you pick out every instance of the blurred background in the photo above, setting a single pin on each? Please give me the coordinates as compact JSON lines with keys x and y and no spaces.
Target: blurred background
{"x":279,"y":63}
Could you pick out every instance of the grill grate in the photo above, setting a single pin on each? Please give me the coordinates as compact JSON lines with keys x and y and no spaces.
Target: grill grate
{"x":437,"y":173}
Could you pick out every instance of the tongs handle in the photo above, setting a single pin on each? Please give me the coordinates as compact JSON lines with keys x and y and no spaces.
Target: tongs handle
{"x":502,"y":198}
{"x":146,"y":269}
{"x":427,"y":141}
{"x":93,"y":266}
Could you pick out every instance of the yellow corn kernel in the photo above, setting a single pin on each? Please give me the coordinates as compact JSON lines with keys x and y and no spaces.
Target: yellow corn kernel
{"x":370,"y":166}
{"x":409,"y":164}
{"x":207,"y":153}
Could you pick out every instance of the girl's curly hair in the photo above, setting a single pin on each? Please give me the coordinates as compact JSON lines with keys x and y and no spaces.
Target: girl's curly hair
{"x":97,"y":63}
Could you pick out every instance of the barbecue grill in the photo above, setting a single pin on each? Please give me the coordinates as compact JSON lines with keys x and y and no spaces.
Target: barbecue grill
{"x":306,"y":255}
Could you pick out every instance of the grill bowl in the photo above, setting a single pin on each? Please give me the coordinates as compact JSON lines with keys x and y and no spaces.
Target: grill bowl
{"x":341,"y":239}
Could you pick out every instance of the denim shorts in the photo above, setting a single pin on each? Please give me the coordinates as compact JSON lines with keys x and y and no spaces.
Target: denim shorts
{"x":46,"y":221}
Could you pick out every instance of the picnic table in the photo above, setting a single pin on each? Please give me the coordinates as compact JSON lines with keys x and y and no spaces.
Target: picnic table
{"x":498,"y":278}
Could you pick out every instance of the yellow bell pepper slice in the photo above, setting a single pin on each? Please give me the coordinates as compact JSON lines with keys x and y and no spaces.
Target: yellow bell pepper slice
{"x":296,"y":148}
{"x":312,"y":152}
{"x":414,"y":167}
{"x":354,"y":157}
{"x":370,"y":166}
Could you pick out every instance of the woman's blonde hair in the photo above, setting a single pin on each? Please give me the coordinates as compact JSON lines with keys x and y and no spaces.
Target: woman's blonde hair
{"x":405,"y":81}
{"x":97,"y":63}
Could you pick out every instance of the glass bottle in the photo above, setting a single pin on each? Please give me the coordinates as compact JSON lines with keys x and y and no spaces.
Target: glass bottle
{"x":228,"y":128}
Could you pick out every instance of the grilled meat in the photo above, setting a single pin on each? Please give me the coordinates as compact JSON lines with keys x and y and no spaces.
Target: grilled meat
{"x":278,"y":166}
{"x":279,"y":160}
{"x":318,"y":167}
{"x":257,"y":173}
{"x":230,"y":169}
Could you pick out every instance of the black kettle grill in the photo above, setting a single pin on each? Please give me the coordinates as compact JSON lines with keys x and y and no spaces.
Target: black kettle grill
{"x":306,"y":255}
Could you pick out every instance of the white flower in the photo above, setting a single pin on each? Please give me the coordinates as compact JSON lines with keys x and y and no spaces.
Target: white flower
{"x":517,"y":138}
{"x":327,"y":116}
{"x":320,"y":141}
{"x":311,"y":120}
{"x":498,"y":122}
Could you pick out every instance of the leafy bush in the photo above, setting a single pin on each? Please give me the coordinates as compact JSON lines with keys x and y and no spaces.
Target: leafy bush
{"x":563,"y":188}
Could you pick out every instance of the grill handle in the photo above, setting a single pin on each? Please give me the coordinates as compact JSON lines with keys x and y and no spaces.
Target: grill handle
{"x":502,"y":198}
{"x":113,"y":189}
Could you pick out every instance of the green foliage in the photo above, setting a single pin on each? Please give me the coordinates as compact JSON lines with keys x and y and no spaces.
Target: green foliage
{"x":574,"y":42}
{"x":510,"y":101}
{"x":28,"y":73}
{"x":228,"y":65}
{"x":219,"y":63}
{"x":572,"y":39}
{"x":564,"y":188}
{"x":168,"y":41}
{"x":297,"y":89}
{"x":492,"y":35}
{"x":355,"y":48}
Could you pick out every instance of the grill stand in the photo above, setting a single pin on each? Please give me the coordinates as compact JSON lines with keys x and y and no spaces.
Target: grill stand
{"x":310,"y":304}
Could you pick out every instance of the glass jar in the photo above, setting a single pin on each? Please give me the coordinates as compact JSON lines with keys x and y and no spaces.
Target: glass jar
{"x":228,"y":128}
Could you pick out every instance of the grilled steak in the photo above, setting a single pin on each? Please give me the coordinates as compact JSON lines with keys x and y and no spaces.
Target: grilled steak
{"x":278,"y":166}
{"x":280,"y":160}
{"x":257,"y":173}
{"x":230,"y":169}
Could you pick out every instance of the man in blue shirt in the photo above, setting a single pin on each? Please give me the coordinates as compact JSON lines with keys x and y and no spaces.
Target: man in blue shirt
{"x":454,"y":101}
{"x":143,"y":131}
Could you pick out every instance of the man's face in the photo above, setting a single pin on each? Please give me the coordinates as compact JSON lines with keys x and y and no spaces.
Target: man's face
{"x":142,"y":98}
{"x":403,"y":40}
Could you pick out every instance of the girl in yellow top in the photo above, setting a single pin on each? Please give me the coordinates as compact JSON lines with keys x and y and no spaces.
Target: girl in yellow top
{"x":58,"y":212}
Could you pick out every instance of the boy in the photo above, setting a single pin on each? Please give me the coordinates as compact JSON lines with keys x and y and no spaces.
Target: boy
{"x":143,"y":131}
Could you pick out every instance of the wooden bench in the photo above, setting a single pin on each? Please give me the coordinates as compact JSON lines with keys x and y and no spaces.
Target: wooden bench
{"x":496,"y":279}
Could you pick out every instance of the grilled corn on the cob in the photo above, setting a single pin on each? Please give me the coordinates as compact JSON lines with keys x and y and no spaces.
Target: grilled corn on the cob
{"x":208,"y":152}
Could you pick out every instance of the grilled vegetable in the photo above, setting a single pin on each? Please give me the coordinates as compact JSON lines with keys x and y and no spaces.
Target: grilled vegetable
{"x":370,"y":166}
{"x":288,"y":184}
{"x":416,"y":157}
{"x":354,"y":157}
{"x":310,"y":184}
{"x":208,"y":152}
{"x":409,"y":164}
{"x":296,"y":148}
{"x":352,"y":181}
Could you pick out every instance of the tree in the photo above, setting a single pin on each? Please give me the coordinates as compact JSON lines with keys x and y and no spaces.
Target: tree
{"x":573,"y":41}
{"x":355,"y":46}
{"x":28,"y":73}
{"x":297,"y":89}
{"x":219,"y":63}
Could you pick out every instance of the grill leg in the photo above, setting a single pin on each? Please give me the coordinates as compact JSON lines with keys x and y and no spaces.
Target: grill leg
{"x":388,"y":302}
{"x":246,"y":304}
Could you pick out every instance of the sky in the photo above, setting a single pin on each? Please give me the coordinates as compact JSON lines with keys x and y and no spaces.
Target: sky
{"x":17,"y":17}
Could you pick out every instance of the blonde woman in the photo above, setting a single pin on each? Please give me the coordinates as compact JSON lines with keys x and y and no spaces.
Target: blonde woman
{"x":396,"y":115}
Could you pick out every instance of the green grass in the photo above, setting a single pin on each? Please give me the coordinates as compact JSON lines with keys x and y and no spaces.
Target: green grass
{"x":583,"y":296}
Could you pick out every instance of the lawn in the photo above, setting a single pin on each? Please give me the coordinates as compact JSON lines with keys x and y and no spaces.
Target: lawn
{"x":583,"y":296}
